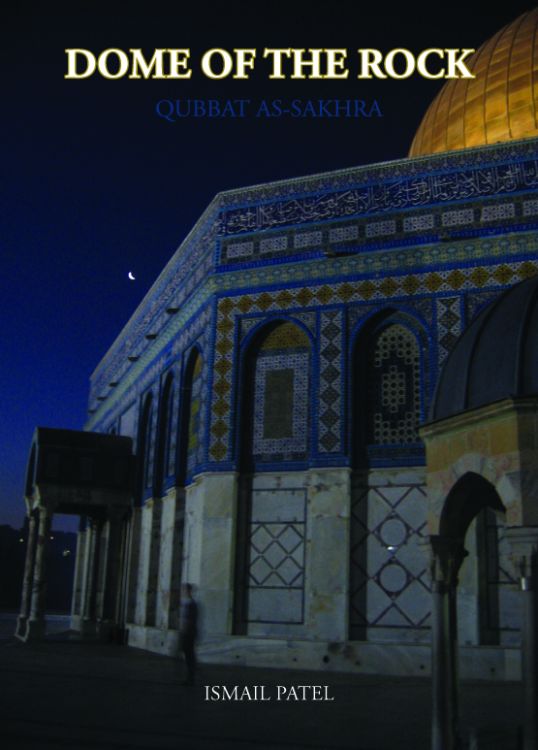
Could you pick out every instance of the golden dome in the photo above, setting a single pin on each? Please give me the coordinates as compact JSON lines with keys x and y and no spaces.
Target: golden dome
{"x":499,"y":105}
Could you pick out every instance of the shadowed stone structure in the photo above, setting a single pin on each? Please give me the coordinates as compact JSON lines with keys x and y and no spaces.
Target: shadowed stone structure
{"x":89,"y":475}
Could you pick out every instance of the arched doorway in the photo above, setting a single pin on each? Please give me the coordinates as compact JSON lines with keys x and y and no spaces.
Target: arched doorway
{"x":487,"y":601}
{"x":471,"y":497}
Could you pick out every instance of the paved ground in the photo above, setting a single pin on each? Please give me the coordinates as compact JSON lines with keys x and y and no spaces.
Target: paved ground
{"x":63,"y":693}
{"x":55,"y":623}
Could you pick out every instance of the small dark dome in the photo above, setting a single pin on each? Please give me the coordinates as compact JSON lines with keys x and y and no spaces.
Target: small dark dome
{"x":495,"y":358}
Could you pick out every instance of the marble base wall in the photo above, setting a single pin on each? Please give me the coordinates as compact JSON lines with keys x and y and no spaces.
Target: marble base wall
{"x":203,"y":520}
{"x":475,"y":663}
{"x":411,"y":660}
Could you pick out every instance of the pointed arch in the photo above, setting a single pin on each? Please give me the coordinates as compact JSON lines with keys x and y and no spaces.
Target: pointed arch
{"x":471,"y":494}
{"x":144,"y":474}
{"x":191,"y":409}
{"x":166,"y":405}
{"x":474,"y":513}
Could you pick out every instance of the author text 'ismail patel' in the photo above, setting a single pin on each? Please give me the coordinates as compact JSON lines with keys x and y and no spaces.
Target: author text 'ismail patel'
{"x":267,"y":693}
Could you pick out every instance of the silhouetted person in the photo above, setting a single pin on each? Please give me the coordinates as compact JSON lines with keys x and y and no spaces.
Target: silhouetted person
{"x":189,"y":631}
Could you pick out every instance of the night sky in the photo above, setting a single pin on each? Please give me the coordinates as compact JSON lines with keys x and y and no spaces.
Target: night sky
{"x":95,"y":185}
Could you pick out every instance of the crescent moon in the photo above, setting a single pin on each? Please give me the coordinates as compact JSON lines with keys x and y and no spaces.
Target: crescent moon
{"x":131,"y":276}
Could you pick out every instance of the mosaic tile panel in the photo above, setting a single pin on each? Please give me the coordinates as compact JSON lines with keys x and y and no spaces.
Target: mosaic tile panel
{"x":393,"y":390}
{"x":285,"y":336}
{"x":273,"y":244}
{"x":356,"y":313}
{"x":530,"y":208}
{"x":468,"y":183}
{"x":502,"y":211}
{"x":423,"y":306}
{"x":389,"y":585}
{"x":419,"y":223}
{"x":361,"y":235}
{"x":195,"y":427}
{"x":246,"y":325}
{"x":449,"y":325}
{"x":330,"y":381}
{"x":380,"y":228}
{"x":239,"y":250}
{"x":457,"y":218}
{"x":344,"y":234}
{"x":307,"y":239}
{"x":281,"y":396}
{"x":358,"y":192}
{"x":379,"y":290}
{"x":475,"y":303}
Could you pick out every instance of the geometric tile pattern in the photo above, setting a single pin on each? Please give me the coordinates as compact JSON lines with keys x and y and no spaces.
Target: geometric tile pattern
{"x":389,"y":585}
{"x":314,"y":206}
{"x":330,"y":378}
{"x":194,"y":433}
{"x":285,"y":336}
{"x":449,"y":325}
{"x":393,"y":387}
{"x":280,"y":429}
{"x":378,"y":290}
{"x":281,"y":394}
{"x":475,"y":302}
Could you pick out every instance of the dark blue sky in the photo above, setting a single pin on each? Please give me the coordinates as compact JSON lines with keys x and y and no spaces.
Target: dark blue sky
{"x":95,"y":185}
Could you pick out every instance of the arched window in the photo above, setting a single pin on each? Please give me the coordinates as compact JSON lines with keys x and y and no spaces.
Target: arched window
{"x":162,"y":464}
{"x":192,"y":402}
{"x":144,"y":445}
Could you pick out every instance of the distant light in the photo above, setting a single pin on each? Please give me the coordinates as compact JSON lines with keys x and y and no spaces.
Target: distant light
{"x":66,"y":552}
{"x":391,"y":548}
{"x":21,"y":539}
{"x":52,"y":537}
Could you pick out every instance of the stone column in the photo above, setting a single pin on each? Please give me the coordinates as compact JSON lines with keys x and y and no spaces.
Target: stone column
{"x":446,"y":558}
{"x":78,"y":577}
{"x":111,"y":573}
{"x":90,"y":594}
{"x":36,"y":623}
{"x":22,"y":619}
{"x":523,"y":541}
